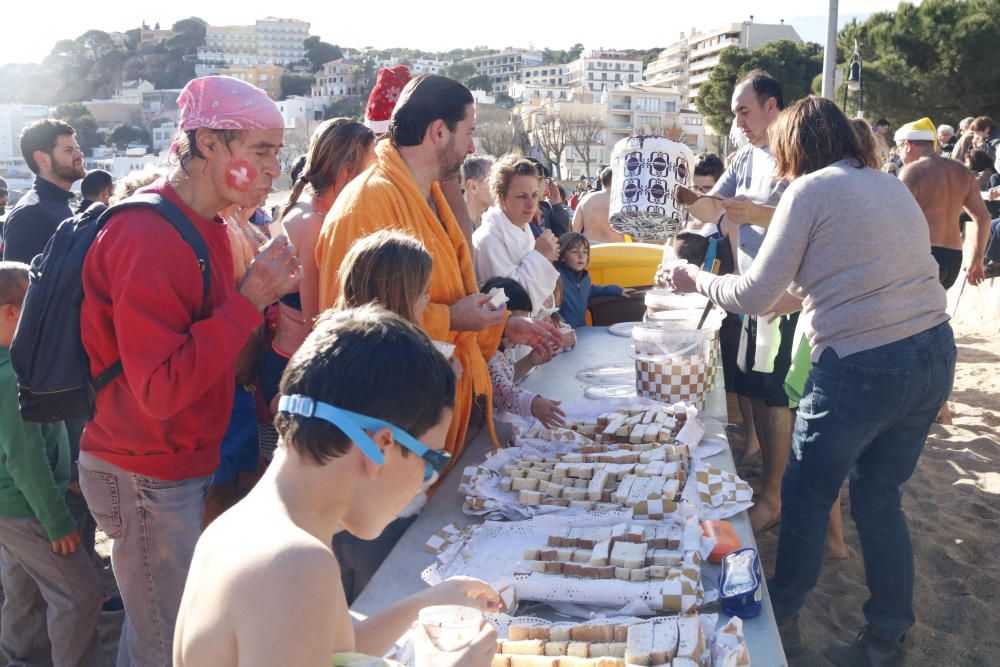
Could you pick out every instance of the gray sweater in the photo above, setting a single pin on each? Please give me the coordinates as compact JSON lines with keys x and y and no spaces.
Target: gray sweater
{"x":854,"y":244}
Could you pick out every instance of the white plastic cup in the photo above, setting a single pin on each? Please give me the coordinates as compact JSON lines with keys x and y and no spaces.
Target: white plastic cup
{"x":450,"y":627}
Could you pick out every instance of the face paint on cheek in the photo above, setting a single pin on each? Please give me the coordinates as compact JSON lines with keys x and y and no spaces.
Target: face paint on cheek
{"x":240,"y":175}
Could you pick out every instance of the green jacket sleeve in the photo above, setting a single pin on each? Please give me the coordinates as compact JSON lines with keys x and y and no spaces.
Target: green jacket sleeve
{"x":28,"y":465}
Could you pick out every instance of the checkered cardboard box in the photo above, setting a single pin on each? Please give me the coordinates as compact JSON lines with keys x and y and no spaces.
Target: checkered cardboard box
{"x":672,"y":380}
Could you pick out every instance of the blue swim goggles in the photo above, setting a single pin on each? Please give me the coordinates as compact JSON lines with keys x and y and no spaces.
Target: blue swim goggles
{"x":355,"y":425}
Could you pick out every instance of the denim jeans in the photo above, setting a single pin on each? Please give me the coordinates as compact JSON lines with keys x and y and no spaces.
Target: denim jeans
{"x":51,"y":604}
{"x":993,"y":242}
{"x":866,"y":415}
{"x":154,"y":525}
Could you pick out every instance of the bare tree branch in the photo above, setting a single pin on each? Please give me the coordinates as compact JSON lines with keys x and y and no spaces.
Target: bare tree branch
{"x":551,"y":134}
{"x":584,"y":133}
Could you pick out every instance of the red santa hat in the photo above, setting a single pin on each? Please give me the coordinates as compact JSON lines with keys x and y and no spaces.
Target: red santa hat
{"x":382,"y":100}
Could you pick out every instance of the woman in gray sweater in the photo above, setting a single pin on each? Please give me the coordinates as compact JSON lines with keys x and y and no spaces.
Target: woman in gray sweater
{"x":854,"y":245}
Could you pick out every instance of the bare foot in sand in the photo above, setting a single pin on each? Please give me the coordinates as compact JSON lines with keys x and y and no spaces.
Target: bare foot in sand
{"x":837,"y":551}
{"x":764,"y":515}
{"x":944,"y":415}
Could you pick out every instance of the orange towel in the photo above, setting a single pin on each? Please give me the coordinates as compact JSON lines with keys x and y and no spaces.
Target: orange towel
{"x":385,"y":196}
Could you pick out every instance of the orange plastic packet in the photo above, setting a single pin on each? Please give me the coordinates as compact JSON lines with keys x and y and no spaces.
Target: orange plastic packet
{"x":725,"y":539}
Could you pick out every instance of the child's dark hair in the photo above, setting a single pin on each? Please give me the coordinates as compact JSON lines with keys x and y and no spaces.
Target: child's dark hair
{"x":13,"y":283}
{"x":517,"y":296}
{"x":571,"y":241}
{"x":691,"y":247}
{"x":370,"y":361}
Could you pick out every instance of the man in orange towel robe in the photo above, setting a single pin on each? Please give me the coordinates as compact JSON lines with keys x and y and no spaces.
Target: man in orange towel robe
{"x":429,"y":136}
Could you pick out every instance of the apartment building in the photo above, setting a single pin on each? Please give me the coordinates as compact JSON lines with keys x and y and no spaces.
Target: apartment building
{"x":506,"y":67}
{"x":601,"y":69}
{"x":642,"y":109}
{"x":338,"y":78}
{"x":269,"y":41}
{"x":265,"y":77}
{"x":687,"y":63}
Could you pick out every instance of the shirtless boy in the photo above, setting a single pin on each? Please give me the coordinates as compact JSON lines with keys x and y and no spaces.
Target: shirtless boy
{"x":592,"y":214}
{"x":264,"y":587}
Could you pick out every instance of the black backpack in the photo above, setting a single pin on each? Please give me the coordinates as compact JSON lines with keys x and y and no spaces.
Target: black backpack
{"x":47,"y":354}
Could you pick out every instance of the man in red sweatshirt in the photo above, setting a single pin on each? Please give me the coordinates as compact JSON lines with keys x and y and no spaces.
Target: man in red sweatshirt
{"x":148,"y":454}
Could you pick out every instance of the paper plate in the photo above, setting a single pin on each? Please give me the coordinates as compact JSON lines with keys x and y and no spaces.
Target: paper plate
{"x":623,"y":329}
{"x":599,"y":391}
{"x":610,"y":374}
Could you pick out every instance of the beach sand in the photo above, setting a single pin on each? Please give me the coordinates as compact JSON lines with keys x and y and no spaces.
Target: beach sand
{"x":953,"y":505}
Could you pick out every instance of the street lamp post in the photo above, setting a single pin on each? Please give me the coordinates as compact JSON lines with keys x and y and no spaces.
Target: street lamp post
{"x":855,"y":81}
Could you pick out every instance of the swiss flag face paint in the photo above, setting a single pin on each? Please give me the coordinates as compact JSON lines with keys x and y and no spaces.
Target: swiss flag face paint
{"x":240,"y":175}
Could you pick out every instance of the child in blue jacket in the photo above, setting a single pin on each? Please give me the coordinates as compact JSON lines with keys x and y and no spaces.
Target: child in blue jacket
{"x":575,"y":283}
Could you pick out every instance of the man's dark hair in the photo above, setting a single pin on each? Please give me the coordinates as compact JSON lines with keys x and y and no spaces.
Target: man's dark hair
{"x":476,"y":167}
{"x":187,"y":144}
{"x":691,"y":247}
{"x":543,"y":171}
{"x":42,"y":135}
{"x":296,"y":170}
{"x":95,"y":182}
{"x":765,"y":86}
{"x":425,"y":99}
{"x":709,"y":164}
{"x":370,"y":361}
{"x":881,"y":122}
{"x":606,"y":174}
{"x":979,"y":160}
{"x":517,"y":296}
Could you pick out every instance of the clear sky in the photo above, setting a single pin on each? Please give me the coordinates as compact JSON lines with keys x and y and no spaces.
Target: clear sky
{"x":28,"y":30}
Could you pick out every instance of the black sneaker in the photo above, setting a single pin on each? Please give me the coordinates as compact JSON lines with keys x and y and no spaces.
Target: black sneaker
{"x":992,"y":270}
{"x":868,"y":650}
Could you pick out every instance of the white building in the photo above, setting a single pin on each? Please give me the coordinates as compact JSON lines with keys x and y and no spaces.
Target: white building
{"x":688,"y":63}
{"x":297,"y":108}
{"x":506,"y":67}
{"x":163,"y":135}
{"x":640,"y":109}
{"x":280,"y":41}
{"x":131,"y":92}
{"x":601,"y":69}
{"x":13,"y":119}
{"x":694,"y":129}
{"x":670,"y":69}
{"x":270,"y":41}
{"x":545,"y":75}
{"x":522,"y":92}
{"x":417,"y":65}
{"x":231,"y":39}
{"x":338,"y":78}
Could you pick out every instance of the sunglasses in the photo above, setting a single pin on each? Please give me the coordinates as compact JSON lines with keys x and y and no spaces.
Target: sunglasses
{"x":354,"y":426}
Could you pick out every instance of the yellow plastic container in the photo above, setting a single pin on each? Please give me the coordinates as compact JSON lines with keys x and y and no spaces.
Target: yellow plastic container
{"x":625,"y":264}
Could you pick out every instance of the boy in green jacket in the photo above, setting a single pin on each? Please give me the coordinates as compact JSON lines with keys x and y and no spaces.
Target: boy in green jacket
{"x":51,"y":588}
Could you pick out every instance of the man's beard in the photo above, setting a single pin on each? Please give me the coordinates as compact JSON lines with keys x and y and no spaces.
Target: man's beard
{"x":68,"y":172}
{"x":449,"y":163}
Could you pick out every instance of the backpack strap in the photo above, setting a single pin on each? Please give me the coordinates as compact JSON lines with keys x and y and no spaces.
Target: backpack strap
{"x":172,"y":214}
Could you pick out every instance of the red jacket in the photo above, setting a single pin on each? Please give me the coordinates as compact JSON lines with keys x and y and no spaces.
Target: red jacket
{"x":165,"y":416}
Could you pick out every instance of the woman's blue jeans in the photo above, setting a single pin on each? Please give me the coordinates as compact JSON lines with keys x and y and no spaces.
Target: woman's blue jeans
{"x":866,"y":415}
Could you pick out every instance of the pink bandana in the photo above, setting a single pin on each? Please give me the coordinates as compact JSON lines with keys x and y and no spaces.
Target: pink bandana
{"x":225,"y":103}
